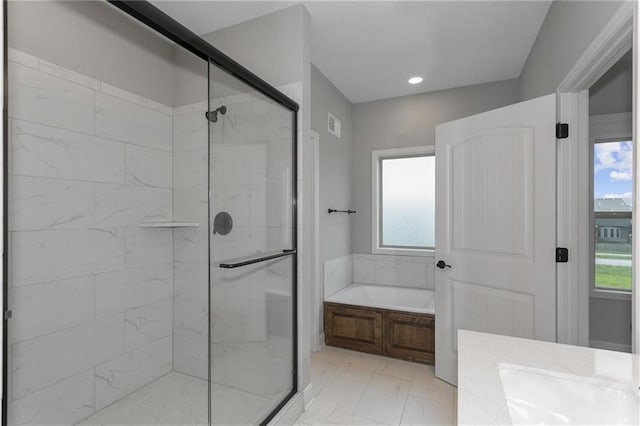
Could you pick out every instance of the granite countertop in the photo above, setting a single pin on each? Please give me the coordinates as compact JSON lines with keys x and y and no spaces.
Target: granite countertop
{"x":481,"y":394}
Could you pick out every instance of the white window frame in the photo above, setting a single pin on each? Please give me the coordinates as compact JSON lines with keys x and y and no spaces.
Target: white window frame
{"x":602,"y":129}
{"x":376,"y":206}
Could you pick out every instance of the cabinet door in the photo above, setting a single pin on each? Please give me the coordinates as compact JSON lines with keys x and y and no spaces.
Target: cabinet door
{"x":353,"y":328}
{"x":409,"y":336}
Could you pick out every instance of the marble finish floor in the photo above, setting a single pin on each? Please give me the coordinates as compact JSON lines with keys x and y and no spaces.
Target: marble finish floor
{"x":178,"y":399}
{"x":354,"y":388}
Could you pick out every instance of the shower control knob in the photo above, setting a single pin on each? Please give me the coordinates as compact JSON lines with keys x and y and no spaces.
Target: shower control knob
{"x":441,"y":264}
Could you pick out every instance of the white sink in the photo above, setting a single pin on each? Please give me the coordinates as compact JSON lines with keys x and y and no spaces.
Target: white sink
{"x":537,"y":396}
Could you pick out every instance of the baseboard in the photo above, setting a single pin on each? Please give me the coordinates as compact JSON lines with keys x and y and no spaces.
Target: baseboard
{"x":321,"y":341}
{"x":290,"y":412}
{"x":610,"y":346}
{"x":309,"y":395}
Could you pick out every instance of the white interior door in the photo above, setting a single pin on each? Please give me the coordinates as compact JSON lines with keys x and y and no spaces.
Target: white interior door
{"x":496,"y":226}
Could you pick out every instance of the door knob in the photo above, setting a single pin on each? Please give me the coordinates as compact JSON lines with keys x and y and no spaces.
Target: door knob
{"x":442,"y":265}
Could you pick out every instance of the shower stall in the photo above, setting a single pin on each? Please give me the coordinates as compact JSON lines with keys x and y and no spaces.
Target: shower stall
{"x":152,"y":234}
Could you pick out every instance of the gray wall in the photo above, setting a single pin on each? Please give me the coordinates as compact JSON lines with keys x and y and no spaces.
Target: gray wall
{"x":610,"y":321}
{"x":335,"y":166}
{"x":566,"y":32}
{"x":95,"y":39}
{"x":270,"y":46}
{"x":410,"y":121}
{"x":613,"y":92}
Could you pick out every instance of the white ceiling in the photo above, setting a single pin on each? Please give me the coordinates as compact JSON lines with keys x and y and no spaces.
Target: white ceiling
{"x":369,"y":49}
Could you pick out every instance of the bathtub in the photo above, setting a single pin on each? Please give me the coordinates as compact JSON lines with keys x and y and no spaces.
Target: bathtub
{"x":407,"y":299}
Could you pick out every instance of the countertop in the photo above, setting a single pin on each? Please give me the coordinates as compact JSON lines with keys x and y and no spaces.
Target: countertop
{"x":481,"y":397}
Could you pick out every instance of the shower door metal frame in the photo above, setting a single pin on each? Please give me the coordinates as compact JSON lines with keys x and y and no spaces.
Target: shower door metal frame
{"x":5,"y":208}
{"x":154,"y":18}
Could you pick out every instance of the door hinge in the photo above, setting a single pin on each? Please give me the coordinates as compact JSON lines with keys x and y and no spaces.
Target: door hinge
{"x":7,"y":314}
{"x":562,"y":130}
{"x":562,"y":254}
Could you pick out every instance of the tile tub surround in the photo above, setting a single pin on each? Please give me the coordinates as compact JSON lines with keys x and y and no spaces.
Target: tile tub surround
{"x":338,"y":274}
{"x":362,"y":389}
{"x":481,"y":395}
{"x":403,"y":271}
{"x":91,"y":292}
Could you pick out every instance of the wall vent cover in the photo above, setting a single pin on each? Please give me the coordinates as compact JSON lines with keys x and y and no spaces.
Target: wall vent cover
{"x":333,"y":125}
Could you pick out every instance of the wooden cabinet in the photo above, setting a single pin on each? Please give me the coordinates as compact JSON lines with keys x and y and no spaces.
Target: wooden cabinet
{"x":395,"y":334}
{"x":409,"y":336}
{"x":353,"y":328}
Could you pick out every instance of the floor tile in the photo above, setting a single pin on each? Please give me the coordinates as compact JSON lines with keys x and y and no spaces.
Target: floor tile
{"x":354,"y":388}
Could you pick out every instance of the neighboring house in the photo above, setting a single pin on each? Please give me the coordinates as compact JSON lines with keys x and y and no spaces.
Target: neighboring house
{"x":613,"y":220}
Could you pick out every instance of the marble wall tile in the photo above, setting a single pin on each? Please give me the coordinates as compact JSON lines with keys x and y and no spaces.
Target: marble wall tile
{"x":190,"y":204}
{"x":123,"y":375}
{"x":43,"y":256}
{"x":132,"y":287}
{"x":46,"y":360}
{"x":190,"y":280}
{"x":129,"y":205}
{"x":190,"y":245}
{"x":148,"y":167}
{"x":124,"y":121}
{"x":338,"y":273}
{"x":404,"y":271}
{"x":44,"y":151}
{"x":191,"y":318}
{"x":238,"y":164}
{"x":41,"y":204}
{"x":191,"y":131}
{"x":130,"y":97}
{"x":44,"y":308}
{"x":256,"y":121}
{"x":63,"y":403}
{"x":148,"y":323}
{"x":191,"y":356}
{"x":401,"y":272}
{"x":49,"y":100}
{"x":190,"y":168}
{"x":364,"y":269}
{"x":67,"y":74}
{"x":147,"y":246}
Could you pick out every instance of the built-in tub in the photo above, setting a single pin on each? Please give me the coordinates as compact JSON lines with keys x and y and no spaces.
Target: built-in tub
{"x":407,"y":299}
{"x":386,"y":320}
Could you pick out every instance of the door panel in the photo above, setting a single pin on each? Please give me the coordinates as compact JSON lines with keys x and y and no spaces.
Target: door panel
{"x":495,"y":225}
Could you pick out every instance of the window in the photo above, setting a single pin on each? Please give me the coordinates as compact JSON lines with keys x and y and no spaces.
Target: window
{"x":404,"y":201}
{"x":612,"y":213}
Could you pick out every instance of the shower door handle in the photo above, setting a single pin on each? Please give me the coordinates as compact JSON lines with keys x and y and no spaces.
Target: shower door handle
{"x":252,"y":260}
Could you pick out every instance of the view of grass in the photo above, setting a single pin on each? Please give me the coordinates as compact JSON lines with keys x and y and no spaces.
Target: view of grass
{"x":613,"y":277}
{"x":613,"y":256}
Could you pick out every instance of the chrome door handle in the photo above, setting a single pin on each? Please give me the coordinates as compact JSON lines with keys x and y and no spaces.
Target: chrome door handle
{"x":441,"y":264}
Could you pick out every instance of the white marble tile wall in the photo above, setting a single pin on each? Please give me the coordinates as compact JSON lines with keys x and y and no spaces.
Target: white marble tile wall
{"x":404,"y":271}
{"x":91,"y":292}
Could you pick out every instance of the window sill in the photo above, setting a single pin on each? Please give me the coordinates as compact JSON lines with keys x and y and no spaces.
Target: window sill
{"x":597,"y":293}
{"x":403,"y":252}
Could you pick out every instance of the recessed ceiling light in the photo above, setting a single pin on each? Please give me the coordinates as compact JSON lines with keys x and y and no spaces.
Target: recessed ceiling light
{"x":415,"y":80}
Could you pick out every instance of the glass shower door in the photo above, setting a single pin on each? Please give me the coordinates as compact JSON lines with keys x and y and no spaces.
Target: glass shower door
{"x":252,"y":252}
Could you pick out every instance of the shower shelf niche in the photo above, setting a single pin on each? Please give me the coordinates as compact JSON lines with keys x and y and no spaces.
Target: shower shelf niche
{"x":169,"y":225}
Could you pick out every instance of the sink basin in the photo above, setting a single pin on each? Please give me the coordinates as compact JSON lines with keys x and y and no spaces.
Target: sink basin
{"x":536,"y":396}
